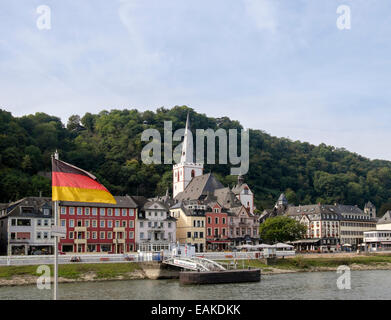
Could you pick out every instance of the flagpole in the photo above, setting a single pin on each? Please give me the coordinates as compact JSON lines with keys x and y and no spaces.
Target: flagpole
{"x":56,"y":245}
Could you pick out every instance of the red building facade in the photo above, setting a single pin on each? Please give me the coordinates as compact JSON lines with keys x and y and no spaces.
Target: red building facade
{"x":216,"y":228}
{"x":98,"y":227}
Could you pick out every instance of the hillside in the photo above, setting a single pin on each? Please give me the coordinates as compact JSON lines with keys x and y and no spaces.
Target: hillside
{"x":108,"y":144}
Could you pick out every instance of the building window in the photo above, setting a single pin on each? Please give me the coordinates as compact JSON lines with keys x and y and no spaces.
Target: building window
{"x":124,"y":212}
{"x":209,"y":231}
{"x":72,"y":210}
{"x":45,"y":235}
{"x":45,"y":222}
{"x":189,"y":234}
{"x":216,"y":220}
{"x":88,"y":235}
{"x":102,"y":235}
{"x":94,"y":211}
{"x":109,"y":224}
{"x":169,"y":225}
{"x":102,"y":211}
{"x":94,"y":223}
{"x":87,"y":223}
{"x":87,"y":211}
{"x":110,"y":212}
{"x":141,"y":224}
{"x":71,"y":223}
{"x":79,"y":211}
{"x":79,"y":223}
{"x":141,"y":235}
{"x":38,"y":222}
{"x":131,"y":212}
{"x":102,"y":223}
{"x":38,"y":235}
{"x":201,"y":235}
{"x":124,"y":224}
{"x":70,"y":234}
{"x":63,"y":222}
{"x":46,"y":212}
{"x":63,"y":210}
{"x":94,"y":235}
{"x":117,"y":223}
{"x":117,"y":212}
{"x":131,"y":234}
{"x":131,"y":224}
{"x":223,"y":220}
{"x":109,"y":235}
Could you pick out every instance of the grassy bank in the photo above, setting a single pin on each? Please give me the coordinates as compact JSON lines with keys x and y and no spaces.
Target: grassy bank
{"x":308,"y":263}
{"x":93,"y":271}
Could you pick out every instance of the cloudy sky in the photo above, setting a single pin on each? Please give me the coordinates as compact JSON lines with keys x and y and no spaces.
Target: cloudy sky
{"x":282,"y":66}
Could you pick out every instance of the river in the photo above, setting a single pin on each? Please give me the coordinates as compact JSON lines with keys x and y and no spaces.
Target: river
{"x":374,"y":284}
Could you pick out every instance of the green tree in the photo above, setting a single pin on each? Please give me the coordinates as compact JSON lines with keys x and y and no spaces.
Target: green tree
{"x":281,"y":229}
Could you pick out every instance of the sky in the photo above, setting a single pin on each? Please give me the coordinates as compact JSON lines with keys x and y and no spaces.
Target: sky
{"x":282,"y":66}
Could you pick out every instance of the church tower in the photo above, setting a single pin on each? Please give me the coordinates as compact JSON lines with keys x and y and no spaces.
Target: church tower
{"x":187,"y":169}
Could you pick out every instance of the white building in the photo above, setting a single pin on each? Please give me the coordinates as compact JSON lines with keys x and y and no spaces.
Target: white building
{"x":25,"y":227}
{"x":155,"y":228}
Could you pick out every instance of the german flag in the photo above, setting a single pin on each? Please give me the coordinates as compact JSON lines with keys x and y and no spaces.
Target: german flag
{"x":70,"y":183}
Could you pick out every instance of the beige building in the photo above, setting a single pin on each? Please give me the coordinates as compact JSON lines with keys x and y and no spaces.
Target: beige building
{"x":190,"y":227}
{"x":354,"y":222}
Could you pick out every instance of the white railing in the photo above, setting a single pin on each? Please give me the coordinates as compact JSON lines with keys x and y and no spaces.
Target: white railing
{"x":130,"y":257}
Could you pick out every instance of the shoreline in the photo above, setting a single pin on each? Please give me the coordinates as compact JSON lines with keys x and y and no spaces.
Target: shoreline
{"x":72,"y":273}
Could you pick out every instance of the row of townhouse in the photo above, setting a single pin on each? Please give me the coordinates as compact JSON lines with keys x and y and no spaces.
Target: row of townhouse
{"x":329,"y":227}
{"x":134,"y":223}
{"x":25,"y":226}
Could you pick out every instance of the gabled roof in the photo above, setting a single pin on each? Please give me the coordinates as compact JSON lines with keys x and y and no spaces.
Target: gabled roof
{"x":200,"y":186}
{"x":386,"y":218}
{"x":239,"y":188}
{"x":155,"y":205}
{"x":30,"y":207}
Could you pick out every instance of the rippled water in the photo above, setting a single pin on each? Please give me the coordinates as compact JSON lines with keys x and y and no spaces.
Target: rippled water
{"x":375,"y":284}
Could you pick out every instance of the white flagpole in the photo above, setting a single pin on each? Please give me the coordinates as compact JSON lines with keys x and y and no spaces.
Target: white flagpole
{"x":56,"y":245}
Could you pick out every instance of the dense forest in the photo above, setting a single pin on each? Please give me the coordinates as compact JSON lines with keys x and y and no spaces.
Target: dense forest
{"x":109,"y":145}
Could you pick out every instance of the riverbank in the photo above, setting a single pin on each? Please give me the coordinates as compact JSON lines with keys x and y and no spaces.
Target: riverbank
{"x":315,"y":263}
{"x":24,"y":275}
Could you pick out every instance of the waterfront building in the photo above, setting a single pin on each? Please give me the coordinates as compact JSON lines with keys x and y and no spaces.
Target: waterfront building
{"x":98,"y":227}
{"x":354,"y":222}
{"x":156,"y":229}
{"x":243,"y":226}
{"x":190,"y":227}
{"x":323,"y":226}
{"x":377,"y":240}
{"x":25,"y":227}
{"x":216,"y":228}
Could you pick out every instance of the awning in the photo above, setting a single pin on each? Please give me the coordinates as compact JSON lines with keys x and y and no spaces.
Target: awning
{"x":305,"y":241}
{"x":218,"y":241}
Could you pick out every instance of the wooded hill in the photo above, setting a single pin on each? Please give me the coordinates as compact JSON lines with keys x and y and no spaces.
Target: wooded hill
{"x":109,"y":145}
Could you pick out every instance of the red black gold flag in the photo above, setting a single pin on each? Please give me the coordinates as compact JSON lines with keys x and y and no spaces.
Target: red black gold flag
{"x":70,"y":183}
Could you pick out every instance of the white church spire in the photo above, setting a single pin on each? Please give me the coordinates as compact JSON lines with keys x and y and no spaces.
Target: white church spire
{"x":187,"y":146}
{"x":187,"y":169}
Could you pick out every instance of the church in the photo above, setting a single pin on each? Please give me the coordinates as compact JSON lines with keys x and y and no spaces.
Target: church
{"x":196,"y":194}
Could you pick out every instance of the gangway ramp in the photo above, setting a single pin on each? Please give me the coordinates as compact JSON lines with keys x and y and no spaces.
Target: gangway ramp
{"x":194,"y":263}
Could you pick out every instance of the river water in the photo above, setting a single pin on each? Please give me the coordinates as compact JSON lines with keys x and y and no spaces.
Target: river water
{"x":374,"y":284}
